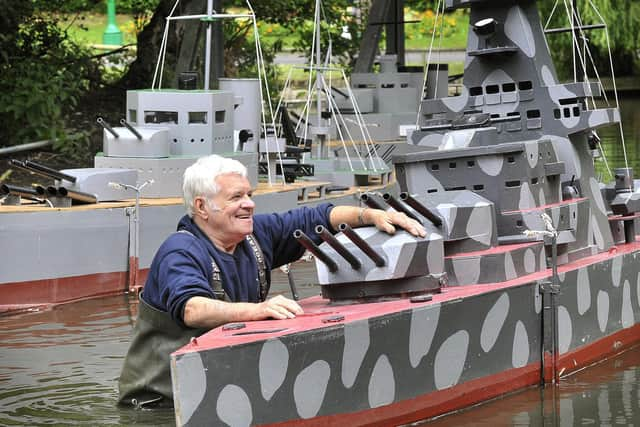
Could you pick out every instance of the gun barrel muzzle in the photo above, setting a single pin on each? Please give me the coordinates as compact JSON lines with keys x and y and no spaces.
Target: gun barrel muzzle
{"x":339,"y":247}
{"x":107,"y":127}
{"x":395,"y":204}
{"x":364,"y":246}
{"x":47,"y":171}
{"x":133,"y":130}
{"x":368,"y":200}
{"x":77,"y":195}
{"x":309,"y":245}
{"x":26,"y":192}
{"x":421,"y":209}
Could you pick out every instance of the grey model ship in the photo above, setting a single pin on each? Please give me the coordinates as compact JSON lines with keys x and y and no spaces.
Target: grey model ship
{"x":530,"y":269}
{"x":93,"y":231}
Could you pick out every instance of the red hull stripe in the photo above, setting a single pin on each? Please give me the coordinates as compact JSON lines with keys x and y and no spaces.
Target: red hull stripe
{"x":21,"y":296}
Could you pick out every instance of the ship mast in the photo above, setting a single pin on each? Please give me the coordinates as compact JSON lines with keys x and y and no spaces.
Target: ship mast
{"x":322,"y":147}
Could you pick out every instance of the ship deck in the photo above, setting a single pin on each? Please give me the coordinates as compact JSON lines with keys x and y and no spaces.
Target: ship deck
{"x":308,"y":192}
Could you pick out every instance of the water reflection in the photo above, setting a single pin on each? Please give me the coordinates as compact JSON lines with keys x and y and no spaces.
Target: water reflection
{"x":601,"y":395}
{"x":613,"y":144}
{"x":61,"y":366}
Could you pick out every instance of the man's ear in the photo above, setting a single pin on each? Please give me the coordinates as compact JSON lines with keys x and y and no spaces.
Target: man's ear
{"x":200,"y":208}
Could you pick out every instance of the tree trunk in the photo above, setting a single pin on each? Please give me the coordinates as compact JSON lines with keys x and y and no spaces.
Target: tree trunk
{"x":181,"y":45}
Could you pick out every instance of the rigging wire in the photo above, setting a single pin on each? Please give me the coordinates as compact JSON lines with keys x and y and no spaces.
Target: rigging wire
{"x":262,"y":79}
{"x":426,"y":69}
{"x":613,"y":80}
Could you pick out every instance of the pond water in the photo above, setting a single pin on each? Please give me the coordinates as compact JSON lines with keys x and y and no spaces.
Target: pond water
{"x":60,"y":366}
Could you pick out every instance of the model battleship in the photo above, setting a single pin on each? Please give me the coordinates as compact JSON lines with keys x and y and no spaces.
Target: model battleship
{"x":93,"y":231}
{"x":530,"y":269}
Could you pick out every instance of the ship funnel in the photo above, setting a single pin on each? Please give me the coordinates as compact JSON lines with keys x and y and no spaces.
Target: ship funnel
{"x":309,"y":245}
{"x":133,"y":130}
{"x":395,"y":204}
{"x":364,"y":246}
{"x":339,"y":247}
{"x":421,"y":209}
{"x":107,"y":127}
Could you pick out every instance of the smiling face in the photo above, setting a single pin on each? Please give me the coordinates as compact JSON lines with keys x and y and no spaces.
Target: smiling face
{"x":227,"y":218}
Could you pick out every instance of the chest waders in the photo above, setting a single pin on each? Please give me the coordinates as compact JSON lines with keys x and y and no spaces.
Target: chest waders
{"x":145,"y":380}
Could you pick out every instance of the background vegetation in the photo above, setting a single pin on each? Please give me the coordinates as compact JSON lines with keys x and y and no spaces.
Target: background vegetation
{"x":52,"y":83}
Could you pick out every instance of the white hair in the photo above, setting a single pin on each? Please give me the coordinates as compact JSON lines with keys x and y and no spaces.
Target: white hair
{"x":200,"y":178}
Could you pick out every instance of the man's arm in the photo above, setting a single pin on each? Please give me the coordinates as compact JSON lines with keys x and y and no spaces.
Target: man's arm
{"x":383,"y":220}
{"x":203,"y":312}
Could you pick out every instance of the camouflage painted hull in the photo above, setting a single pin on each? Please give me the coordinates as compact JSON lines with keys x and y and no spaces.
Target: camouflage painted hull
{"x":395,"y":362}
{"x":503,"y":177}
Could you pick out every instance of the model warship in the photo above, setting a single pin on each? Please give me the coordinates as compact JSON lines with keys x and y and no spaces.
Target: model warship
{"x":93,"y":231}
{"x":530,"y":269}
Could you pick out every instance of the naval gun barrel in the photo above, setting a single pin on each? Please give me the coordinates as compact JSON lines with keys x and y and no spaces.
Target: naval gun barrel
{"x":52,"y":191}
{"x":395,"y":204}
{"x":309,"y":245}
{"x":368,"y":200}
{"x":26,"y":192}
{"x":77,"y":195}
{"x":364,"y":246}
{"x":42,"y":170}
{"x":133,"y":130}
{"x":421,"y":209}
{"x":107,"y":127}
{"x":72,"y":194}
{"x":339,"y":247}
{"x":47,"y":171}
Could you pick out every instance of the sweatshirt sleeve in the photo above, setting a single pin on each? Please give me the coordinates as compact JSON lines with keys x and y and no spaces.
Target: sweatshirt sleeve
{"x":182,"y":274}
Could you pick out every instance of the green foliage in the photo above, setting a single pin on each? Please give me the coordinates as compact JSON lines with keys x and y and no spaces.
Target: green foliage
{"x":450,"y":29}
{"x":334,"y":17}
{"x":623,"y":20}
{"x":43,"y":76}
{"x":131,"y":7}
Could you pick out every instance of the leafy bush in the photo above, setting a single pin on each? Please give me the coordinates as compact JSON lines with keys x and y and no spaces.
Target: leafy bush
{"x":43,"y":75}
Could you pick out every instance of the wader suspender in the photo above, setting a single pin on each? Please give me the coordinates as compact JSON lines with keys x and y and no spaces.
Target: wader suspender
{"x":262,"y":270}
{"x":216,"y":280}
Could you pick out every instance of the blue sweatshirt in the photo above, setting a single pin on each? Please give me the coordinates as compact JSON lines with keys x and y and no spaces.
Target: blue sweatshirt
{"x":181,"y":268}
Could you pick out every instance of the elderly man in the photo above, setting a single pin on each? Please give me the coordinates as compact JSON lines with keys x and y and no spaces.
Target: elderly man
{"x":216,"y":269}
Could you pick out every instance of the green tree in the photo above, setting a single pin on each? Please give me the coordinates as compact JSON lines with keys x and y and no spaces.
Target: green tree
{"x":623,"y":20}
{"x":42,"y":74}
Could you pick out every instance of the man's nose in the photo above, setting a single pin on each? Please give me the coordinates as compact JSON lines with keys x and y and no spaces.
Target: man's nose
{"x":248,"y":203}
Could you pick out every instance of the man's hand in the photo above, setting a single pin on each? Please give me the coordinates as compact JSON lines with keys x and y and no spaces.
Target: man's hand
{"x":204,"y":312}
{"x":385,"y":221}
{"x":278,"y":307}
